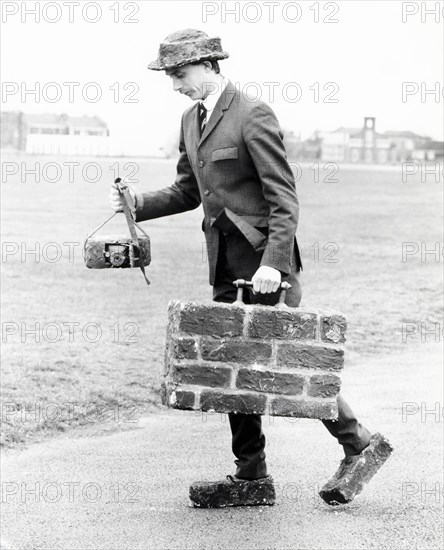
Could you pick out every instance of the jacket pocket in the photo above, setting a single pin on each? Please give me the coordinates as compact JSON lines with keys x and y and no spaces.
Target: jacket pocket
{"x":225,"y":154}
{"x":257,"y":220}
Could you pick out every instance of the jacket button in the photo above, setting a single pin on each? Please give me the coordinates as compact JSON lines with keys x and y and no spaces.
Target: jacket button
{"x":206,"y":192}
{"x":201,"y":163}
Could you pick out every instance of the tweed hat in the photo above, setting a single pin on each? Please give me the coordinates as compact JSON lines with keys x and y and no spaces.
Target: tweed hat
{"x":187,"y":46}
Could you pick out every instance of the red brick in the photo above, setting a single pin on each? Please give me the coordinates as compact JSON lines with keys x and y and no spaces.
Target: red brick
{"x":270,"y":382}
{"x":283,"y":406}
{"x":202,"y":375}
{"x":184,"y":348}
{"x":310,"y":357}
{"x":354,"y":472}
{"x":241,"y":492}
{"x":183,"y":400}
{"x":283,"y":324}
{"x":333,"y":328}
{"x":173,"y":316}
{"x":324,"y":385}
{"x":246,"y":403}
{"x":211,"y":319}
{"x":239,"y":351}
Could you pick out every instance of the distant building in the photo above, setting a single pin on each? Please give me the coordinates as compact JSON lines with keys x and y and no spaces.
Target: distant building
{"x":54,"y":134}
{"x":405,"y":143}
{"x":362,"y":145}
{"x":365,"y":145}
{"x":11,"y":135}
{"x":429,"y":151}
{"x":309,"y":149}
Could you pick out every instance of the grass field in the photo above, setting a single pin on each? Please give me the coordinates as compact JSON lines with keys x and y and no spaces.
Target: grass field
{"x":361,"y":221}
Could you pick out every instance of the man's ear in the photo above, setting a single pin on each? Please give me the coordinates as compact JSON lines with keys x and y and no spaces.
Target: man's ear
{"x":207,"y":65}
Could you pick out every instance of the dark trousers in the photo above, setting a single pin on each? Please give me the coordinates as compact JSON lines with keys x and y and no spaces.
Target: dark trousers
{"x":238,"y":260}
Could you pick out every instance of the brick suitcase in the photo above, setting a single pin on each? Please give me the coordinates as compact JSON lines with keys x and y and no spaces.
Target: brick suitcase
{"x":253,"y":359}
{"x":117,"y":251}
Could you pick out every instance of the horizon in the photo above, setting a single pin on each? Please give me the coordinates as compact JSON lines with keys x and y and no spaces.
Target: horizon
{"x":359,"y":57}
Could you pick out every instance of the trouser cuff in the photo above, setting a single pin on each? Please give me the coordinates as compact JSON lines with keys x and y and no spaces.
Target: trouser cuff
{"x":251,"y":471}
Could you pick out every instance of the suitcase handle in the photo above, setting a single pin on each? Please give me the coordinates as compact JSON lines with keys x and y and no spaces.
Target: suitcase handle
{"x":240,"y":284}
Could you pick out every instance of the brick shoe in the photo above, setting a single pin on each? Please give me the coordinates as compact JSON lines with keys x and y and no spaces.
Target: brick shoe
{"x":233,"y":491}
{"x":355,"y":471}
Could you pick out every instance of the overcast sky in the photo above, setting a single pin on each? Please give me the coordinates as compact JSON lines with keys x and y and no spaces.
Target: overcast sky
{"x":365,"y":56}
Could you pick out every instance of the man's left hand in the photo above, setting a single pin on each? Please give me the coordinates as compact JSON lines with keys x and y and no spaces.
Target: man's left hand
{"x":266,"y":280}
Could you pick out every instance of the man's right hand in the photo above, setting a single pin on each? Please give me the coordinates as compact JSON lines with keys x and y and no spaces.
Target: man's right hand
{"x":115,"y":197}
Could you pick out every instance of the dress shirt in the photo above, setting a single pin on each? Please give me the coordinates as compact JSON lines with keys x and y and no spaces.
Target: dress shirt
{"x":212,"y":98}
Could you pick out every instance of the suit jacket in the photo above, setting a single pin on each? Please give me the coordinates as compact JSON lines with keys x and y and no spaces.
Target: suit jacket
{"x":238,"y":170}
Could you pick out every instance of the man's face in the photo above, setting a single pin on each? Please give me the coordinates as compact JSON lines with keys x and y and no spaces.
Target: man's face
{"x":191,"y":80}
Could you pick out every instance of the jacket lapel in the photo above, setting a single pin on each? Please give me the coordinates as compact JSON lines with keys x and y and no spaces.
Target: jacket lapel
{"x":222,"y":105}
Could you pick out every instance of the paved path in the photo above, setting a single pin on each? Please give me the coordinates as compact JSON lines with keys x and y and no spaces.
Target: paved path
{"x":128,"y":490}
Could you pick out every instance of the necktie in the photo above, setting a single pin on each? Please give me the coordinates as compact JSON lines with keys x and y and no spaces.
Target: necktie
{"x":202,"y":117}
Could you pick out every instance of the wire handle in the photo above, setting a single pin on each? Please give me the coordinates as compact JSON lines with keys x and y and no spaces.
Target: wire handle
{"x":100,"y":227}
{"x":242,"y":283}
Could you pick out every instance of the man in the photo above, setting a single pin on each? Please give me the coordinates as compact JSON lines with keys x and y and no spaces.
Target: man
{"x":233,"y":162}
